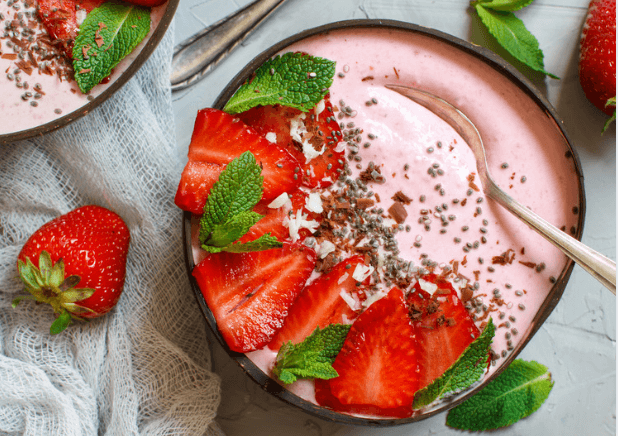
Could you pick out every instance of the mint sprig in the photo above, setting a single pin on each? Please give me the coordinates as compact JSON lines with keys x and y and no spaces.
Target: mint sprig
{"x":516,"y":393}
{"x":312,"y":358}
{"x":228,"y":214}
{"x":295,"y":80}
{"x":510,"y":31}
{"x":108,"y":34}
{"x":465,"y":371}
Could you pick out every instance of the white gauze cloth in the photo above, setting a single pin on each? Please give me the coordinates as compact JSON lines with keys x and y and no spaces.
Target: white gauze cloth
{"x":144,"y":368}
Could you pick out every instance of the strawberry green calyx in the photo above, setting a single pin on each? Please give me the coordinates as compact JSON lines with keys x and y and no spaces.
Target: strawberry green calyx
{"x":610,"y":103}
{"x":312,"y":358}
{"x":295,"y":80}
{"x":466,"y":370}
{"x":48,"y":284}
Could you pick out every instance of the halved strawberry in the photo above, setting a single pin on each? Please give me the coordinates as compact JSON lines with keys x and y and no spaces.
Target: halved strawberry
{"x":218,"y":138}
{"x":273,"y":221}
{"x":443,"y":327}
{"x":378,"y":363}
{"x":60,"y":19}
{"x":320,"y":304}
{"x":322,"y":131}
{"x":195,"y":183}
{"x":250,"y":293}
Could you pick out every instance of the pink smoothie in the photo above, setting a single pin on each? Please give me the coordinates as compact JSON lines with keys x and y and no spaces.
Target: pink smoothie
{"x":33,"y":95}
{"x":450,"y":222}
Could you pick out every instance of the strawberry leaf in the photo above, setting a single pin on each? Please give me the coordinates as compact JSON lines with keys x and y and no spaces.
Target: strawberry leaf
{"x":312,"y":358}
{"x":511,"y":33}
{"x":293,"y":79}
{"x":61,"y":323}
{"x":506,"y":5}
{"x":466,"y":370}
{"x":516,"y":393}
{"x":610,"y":102}
{"x":108,"y":34}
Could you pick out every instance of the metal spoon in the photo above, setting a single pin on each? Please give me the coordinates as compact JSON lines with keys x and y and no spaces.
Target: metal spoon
{"x":196,"y":56}
{"x":601,"y":267}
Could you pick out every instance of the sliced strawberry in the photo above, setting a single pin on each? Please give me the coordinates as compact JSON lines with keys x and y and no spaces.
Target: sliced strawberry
{"x":274,"y":219}
{"x":195,"y":183}
{"x":443,"y":326}
{"x":321,"y":304}
{"x":321,"y":171}
{"x":250,"y":293}
{"x":218,"y":138}
{"x":377,"y":366}
{"x":60,"y":19}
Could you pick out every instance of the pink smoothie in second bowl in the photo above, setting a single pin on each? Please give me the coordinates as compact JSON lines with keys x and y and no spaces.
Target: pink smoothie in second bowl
{"x":446,"y":223}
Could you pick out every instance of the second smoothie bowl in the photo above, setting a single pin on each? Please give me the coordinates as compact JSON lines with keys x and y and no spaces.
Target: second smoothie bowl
{"x":337,"y":238}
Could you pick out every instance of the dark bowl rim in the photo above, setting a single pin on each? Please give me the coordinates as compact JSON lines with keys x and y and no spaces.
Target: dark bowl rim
{"x":492,"y":60}
{"x":124,"y":77}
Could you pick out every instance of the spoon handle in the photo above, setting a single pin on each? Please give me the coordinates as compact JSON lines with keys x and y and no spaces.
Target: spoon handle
{"x":196,"y":56}
{"x":599,"y":266}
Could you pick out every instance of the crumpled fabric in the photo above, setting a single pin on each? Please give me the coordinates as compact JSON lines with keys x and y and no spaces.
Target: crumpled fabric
{"x":144,"y":368}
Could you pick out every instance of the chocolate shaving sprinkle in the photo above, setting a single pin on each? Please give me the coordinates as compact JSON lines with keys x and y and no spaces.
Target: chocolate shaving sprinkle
{"x":398,"y":212}
{"x":401,"y":197}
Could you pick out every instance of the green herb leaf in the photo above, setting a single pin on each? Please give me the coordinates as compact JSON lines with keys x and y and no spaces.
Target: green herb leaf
{"x":511,"y":33}
{"x":312,"y":358}
{"x":610,"y":102}
{"x":238,"y":190}
{"x":466,"y":370}
{"x":516,"y":393}
{"x":506,"y":5}
{"x":108,"y":34}
{"x":295,"y":80}
{"x":227,"y":213}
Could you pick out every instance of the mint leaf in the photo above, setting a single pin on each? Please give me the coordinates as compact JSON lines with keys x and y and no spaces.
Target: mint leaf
{"x":466,"y":370}
{"x":295,"y":80}
{"x":313,"y":357}
{"x":108,"y":34}
{"x":238,"y":190}
{"x":506,"y":5}
{"x":227,"y":212}
{"x":511,"y":33}
{"x":516,"y":393}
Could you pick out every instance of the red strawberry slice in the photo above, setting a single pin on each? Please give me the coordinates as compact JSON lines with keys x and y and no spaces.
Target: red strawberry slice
{"x":443,"y":327}
{"x":320,"y":304}
{"x":321,"y":171}
{"x":218,"y":138}
{"x":250,"y":293}
{"x":195,"y":183}
{"x":377,"y":365}
{"x":60,"y":19}
{"x":597,"y":55}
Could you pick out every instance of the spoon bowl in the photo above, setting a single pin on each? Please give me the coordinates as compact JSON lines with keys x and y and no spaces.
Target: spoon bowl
{"x":598,"y":265}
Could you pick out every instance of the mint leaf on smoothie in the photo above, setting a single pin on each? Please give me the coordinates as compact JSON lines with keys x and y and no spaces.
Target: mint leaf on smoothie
{"x":511,"y":33}
{"x":228,"y":214}
{"x":295,"y":80}
{"x":466,"y":370}
{"x":108,"y":34}
{"x":312,"y":358}
{"x":516,"y":393}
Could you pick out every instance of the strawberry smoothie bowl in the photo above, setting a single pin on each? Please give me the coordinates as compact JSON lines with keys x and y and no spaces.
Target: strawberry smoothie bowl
{"x":337,"y":237}
{"x":62,"y":59}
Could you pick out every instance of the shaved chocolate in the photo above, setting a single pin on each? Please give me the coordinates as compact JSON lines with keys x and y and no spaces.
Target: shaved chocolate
{"x":398,"y":212}
{"x":401,"y":197}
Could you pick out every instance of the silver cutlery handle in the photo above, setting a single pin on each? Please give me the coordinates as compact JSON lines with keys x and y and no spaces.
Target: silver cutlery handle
{"x":599,"y":266}
{"x":196,"y":56}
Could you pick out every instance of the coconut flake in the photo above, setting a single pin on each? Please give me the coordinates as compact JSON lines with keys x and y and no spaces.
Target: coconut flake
{"x":319,"y":108}
{"x":271,"y":137}
{"x":354,"y":303}
{"x":343,"y":278}
{"x":298,"y":221}
{"x":326,"y":247}
{"x":340,"y":147}
{"x":313,"y":203}
{"x":361,"y":272}
{"x":279,"y":201}
{"x":80,"y":16}
{"x":428,"y":286}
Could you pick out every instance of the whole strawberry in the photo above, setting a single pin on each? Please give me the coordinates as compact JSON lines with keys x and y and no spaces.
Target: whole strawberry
{"x":597,"y":56}
{"x":76,"y":263}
